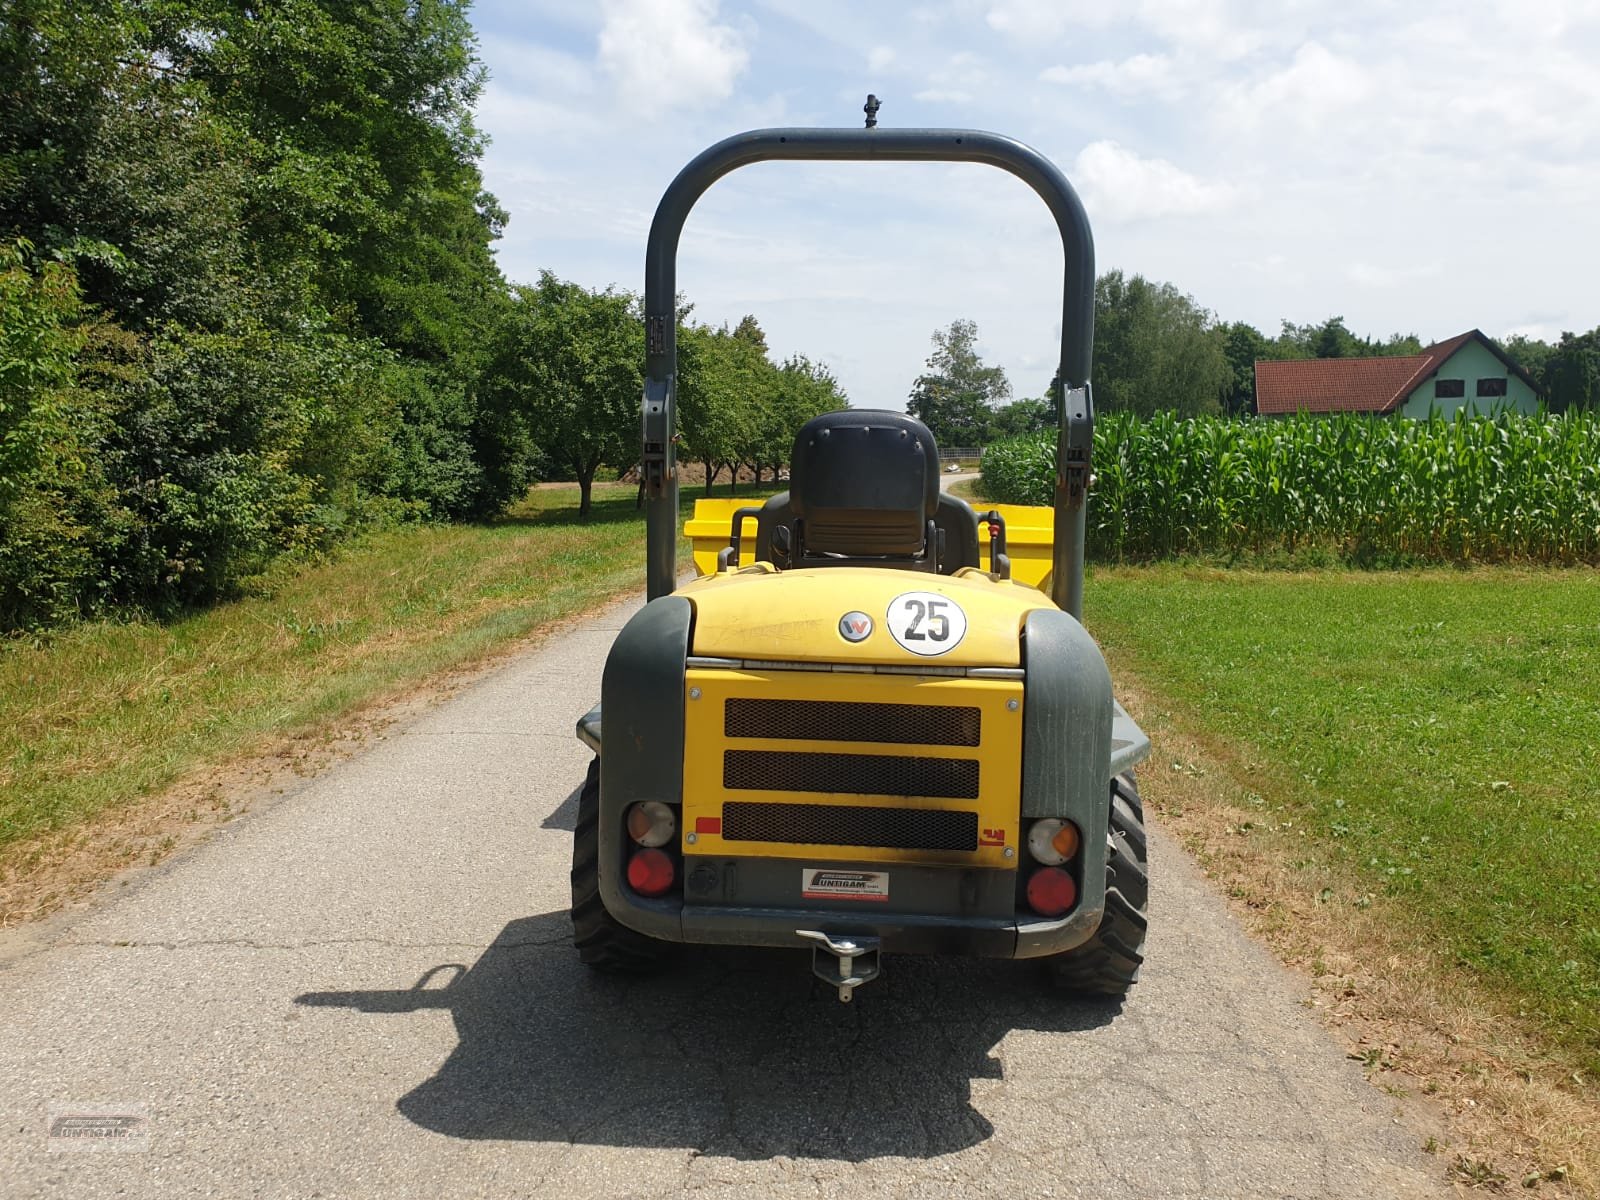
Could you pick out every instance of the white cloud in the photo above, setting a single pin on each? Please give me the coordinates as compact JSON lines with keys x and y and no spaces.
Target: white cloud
{"x":1032,"y":20}
{"x":943,"y":96}
{"x":1316,"y":85}
{"x":1118,"y":185}
{"x":1374,"y":276}
{"x":1132,"y":76}
{"x":669,"y":53}
{"x":879,"y":58}
{"x":1221,"y":30}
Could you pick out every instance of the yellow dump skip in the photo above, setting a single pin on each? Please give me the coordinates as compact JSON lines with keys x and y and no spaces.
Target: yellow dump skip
{"x":1029,"y":535}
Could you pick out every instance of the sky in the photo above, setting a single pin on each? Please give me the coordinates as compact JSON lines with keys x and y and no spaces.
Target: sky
{"x":1422,"y":168}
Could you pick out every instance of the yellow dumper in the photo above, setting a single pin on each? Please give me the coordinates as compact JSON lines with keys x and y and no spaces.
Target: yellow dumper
{"x":874,"y":722}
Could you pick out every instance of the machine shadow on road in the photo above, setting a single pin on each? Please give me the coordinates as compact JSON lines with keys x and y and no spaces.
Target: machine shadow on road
{"x":565,"y":816}
{"x":736,"y":1053}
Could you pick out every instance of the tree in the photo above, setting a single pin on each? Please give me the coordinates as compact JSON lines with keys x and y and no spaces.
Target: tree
{"x":804,"y":389}
{"x":1531,"y":354}
{"x":359,"y":118}
{"x":956,"y":397}
{"x":1331,"y":339}
{"x":566,"y":377}
{"x":1572,"y":372}
{"x":1242,"y":345}
{"x":720,"y":383}
{"x":1027,"y":415}
{"x":1155,"y":349}
{"x":749,"y":330}
{"x":48,"y":485}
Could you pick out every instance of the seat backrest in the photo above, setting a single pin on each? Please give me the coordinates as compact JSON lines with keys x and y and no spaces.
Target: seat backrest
{"x":864,"y":483}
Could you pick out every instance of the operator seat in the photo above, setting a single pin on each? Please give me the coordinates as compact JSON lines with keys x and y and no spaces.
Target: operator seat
{"x":864,"y":490}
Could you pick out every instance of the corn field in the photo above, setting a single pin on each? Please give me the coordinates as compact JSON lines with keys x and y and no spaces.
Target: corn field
{"x":1367,"y":490}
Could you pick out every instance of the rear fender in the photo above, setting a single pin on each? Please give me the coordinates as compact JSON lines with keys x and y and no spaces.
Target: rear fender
{"x":641,"y":694}
{"x":1066,"y":747}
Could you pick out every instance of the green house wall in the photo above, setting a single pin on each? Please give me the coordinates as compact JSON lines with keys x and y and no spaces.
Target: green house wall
{"x":1474,"y":361}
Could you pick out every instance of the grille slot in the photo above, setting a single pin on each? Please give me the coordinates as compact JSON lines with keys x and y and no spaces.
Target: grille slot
{"x":852,"y":721}
{"x":861,"y":774}
{"x":849,"y":825}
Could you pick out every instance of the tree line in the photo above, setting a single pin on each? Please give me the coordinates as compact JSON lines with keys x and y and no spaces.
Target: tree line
{"x":566,"y":372}
{"x":1156,"y":350}
{"x":248,"y":303}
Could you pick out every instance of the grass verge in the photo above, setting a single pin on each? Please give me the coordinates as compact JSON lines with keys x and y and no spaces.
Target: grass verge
{"x":1396,"y":776}
{"x":106,"y":719}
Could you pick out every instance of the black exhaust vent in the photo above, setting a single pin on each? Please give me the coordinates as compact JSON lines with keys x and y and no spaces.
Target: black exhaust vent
{"x":849,"y":825}
{"x":850,"y":721}
{"x":859,"y":774}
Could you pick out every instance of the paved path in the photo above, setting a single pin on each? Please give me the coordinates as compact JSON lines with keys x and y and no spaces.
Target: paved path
{"x":367,"y":990}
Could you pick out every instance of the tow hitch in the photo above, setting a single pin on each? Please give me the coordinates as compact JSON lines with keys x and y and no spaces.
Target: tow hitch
{"x":845,"y":963}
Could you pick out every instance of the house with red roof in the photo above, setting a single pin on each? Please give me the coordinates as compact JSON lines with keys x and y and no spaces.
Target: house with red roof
{"x":1465,"y":372}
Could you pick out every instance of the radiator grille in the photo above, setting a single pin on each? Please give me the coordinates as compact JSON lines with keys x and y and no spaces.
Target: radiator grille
{"x":849,"y":721}
{"x":849,"y":825}
{"x":863,"y":774}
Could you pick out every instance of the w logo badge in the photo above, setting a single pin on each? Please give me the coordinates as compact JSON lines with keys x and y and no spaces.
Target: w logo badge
{"x":855,"y":626}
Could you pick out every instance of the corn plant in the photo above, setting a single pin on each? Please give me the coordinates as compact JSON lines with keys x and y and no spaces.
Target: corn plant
{"x":1371,"y":490}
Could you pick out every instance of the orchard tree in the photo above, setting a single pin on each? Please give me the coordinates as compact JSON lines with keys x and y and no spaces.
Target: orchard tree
{"x":804,"y":389}
{"x":719,"y":377}
{"x":957,"y":395}
{"x":567,"y":376}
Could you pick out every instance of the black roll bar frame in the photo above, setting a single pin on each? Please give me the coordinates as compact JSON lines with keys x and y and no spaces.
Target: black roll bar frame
{"x":1074,"y":402}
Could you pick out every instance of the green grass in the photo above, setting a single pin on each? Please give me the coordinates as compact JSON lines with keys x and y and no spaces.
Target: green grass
{"x":1437,"y":731}
{"x":969,"y":490}
{"x":106,"y":713}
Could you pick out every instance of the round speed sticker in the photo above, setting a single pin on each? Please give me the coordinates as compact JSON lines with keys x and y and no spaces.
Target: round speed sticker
{"x":926,"y":623}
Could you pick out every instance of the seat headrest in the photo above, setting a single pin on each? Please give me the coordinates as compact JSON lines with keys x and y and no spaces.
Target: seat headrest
{"x":865,"y":482}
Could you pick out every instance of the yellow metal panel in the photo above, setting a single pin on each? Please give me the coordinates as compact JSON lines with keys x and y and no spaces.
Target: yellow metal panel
{"x":709,"y":529}
{"x":999,"y":754}
{"x":1030,"y":536}
{"x":793,"y":616}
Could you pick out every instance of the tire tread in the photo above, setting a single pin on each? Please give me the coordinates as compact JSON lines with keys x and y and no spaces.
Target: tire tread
{"x":1108,"y":963}
{"x":603,"y":942}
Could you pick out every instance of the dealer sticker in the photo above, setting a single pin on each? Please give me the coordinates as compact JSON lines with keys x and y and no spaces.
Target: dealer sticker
{"x":926,"y":623}
{"x":824,"y":883}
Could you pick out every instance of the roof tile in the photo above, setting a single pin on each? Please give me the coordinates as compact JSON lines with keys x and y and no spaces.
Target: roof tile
{"x":1374,"y":385}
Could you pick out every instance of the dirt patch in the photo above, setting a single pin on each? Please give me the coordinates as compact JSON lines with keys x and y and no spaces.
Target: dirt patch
{"x":1469,"y":1075}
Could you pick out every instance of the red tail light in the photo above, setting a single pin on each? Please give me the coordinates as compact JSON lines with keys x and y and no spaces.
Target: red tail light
{"x":650,"y":872}
{"x":1051,"y":891}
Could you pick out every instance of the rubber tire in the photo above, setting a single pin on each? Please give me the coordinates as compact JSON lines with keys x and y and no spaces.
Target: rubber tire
{"x":603,"y":942}
{"x":1108,"y":963}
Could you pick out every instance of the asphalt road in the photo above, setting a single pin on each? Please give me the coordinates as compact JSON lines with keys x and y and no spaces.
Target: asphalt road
{"x":367,"y":989}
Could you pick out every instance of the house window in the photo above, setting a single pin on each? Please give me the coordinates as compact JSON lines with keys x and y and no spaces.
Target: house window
{"x":1491,"y":387}
{"x":1445,"y":389}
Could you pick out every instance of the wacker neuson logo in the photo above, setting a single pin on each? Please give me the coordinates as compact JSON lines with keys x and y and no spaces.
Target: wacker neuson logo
{"x":98,"y":1127}
{"x":821,"y":883}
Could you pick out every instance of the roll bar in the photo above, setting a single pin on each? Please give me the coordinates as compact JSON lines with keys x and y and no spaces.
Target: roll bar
{"x":1073,"y":400}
